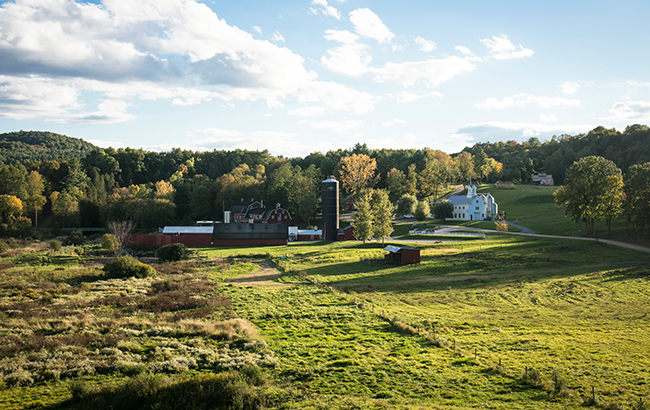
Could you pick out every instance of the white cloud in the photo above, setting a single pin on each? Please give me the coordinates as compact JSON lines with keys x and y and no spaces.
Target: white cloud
{"x":277,"y":37}
{"x":257,"y":29}
{"x":390,"y":123}
{"x":397,"y":47}
{"x":435,"y":71}
{"x":311,"y":111}
{"x":145,"y":49}
{"x":523,"y":99}
{"x":629,"y":112}
{"x":547,"y":118}
{"x":337,"y":97}
{"x":406,"y":97}
{"x":32,"y":96}
{"x":637,"y":83}
{"x":108,"y":112}
{"x":502,"y":49}
{"x":335,"y":126}
{"x":349,"y":59}
{"x":470,"y":56}
{"x":221,"y":133}
{"x":569,"y":87}
{"x":368,"y":24}
{"x":503,"y":131}
{"x":425,"y":45}
{"x":341,"y":36}
{"x":326,"y":9}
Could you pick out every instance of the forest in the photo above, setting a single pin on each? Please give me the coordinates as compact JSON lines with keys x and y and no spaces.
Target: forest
{"x":50,"y":177}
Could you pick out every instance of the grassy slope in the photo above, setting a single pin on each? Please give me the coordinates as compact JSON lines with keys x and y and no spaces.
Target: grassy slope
{"x":578,"y":308}
{"x":534,"y":207}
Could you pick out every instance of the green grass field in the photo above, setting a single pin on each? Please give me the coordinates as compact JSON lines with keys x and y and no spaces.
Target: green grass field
{"x":339,"y":328}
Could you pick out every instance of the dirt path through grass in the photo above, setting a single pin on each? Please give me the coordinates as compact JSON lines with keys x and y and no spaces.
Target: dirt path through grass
{"x":264,"y":276}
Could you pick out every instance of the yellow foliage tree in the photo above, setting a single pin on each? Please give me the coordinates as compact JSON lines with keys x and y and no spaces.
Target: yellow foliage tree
{"x":358,"y":173}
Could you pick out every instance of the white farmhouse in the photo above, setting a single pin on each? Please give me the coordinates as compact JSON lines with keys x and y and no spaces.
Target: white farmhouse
{"x":473,"y":206}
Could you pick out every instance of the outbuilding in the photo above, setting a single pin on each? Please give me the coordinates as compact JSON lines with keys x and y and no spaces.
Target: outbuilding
{"x":402,"y":254}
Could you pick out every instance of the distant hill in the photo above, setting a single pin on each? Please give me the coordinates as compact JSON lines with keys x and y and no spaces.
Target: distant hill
{"x":25,"y":146}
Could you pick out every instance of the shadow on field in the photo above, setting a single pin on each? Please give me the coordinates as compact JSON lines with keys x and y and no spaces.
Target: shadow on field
{"x":528,"y":261}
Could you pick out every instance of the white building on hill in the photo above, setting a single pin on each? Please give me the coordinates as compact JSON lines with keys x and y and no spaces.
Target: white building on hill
{"x":473,"y":206}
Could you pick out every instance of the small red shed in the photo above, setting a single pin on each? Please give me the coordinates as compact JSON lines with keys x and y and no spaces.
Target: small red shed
{"x":402,"y":254}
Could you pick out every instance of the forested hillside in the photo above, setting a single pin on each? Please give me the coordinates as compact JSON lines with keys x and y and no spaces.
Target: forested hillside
{"x":82,"y":185}
{"x":522,"y":160}
{"x":25,"y":146}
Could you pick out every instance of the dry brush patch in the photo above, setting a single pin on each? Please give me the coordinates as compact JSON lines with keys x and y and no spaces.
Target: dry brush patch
{"x":65,"y":327}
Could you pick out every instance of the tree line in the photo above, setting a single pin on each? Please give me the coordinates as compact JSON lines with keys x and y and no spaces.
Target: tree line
{"x":90,"y":186}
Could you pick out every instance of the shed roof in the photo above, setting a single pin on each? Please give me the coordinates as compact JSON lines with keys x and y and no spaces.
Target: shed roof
{"x":187,"y":229}
{"x":395,"y":249}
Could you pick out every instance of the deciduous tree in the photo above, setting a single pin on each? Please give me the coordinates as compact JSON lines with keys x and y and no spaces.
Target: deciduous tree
{"x":592,"y":191}
{"x":35,"y":198}
{"x":363,"y":219}
{"x":406,"y":204}
{"x":637,"y":195}
{"x":383,"y":215}
{"x":358,"y":173}
{"x":422,"y":211}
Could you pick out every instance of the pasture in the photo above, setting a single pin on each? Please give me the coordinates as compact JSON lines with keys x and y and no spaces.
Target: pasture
{"x":503,"y":322}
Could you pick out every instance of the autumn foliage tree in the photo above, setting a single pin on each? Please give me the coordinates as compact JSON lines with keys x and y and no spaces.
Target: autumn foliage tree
{"x":358,"y":173}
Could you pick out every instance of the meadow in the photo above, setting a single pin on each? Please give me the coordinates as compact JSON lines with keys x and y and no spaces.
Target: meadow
{"x":502,"y":322}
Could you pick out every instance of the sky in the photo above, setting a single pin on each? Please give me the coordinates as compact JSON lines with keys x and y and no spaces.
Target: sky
{"x":300,"y":76}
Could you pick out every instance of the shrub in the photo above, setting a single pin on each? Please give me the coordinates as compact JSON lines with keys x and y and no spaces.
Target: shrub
{"x":172,"y":253}
{"x":422,"y":211}
{"x":443,"y":210}
{"x":641,"y":405}
{"x":559,"y":383}
{"x":3,"y":246}
{"x":406,"y":204}
{"x":127,"y":266}
{"x":75,"y":238}
{"x":55,"y":246}
{"x":109,"y":243}
{"x":532,"y":377}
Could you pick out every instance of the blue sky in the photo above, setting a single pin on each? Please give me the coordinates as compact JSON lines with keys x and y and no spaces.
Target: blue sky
{"x":296,"y":77}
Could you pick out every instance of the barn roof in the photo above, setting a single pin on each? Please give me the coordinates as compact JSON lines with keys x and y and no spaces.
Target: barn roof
{"x":187,"y":229}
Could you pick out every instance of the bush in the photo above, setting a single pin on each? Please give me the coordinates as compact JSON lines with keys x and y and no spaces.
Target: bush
{"x":109,"y":243}
{"x":559,"y":383}
{"x":75,"y":238}
{"x":173,"y":253}
{"x":55,"y":246}
{"x":127,"y":266}
{"x":406,"y":204}
{"x":532,"y":377}
{"x":3,"y":246}
{"x":422,"y":211}
{"x":443,"y":210}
